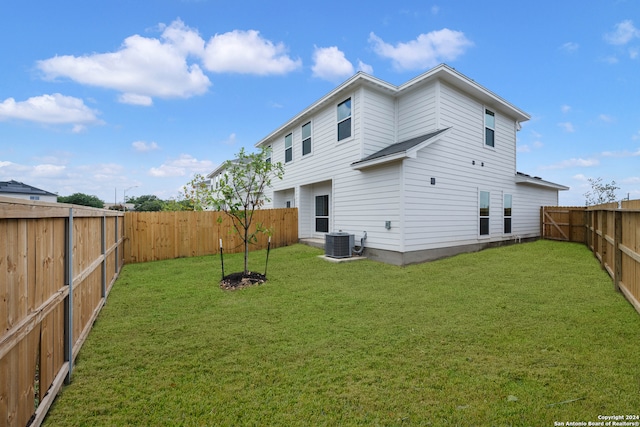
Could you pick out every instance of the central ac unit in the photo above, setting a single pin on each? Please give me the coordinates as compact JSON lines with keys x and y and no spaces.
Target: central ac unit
{"x":338,"y":245}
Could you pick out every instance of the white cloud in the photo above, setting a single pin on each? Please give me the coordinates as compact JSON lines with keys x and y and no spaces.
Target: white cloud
{"x":141,"y":69}
{"x":231,"y":140}
{"x":102,"y":170}
{"x":48,"y":171}
{"x":572,"y":163}
{"x":621,"y":154}
{"x":182,"y":166}
{"x":50,"y":109}
{"x":331,"y":64}
{"x":632,"y":180}
{"x":567,"y":126}
{"x":135,"y":99}
{"x":636,"y":136}
{"x":435,"y":10}
{"x":580,"y":177}
{"x":426,"y":51}
{"x":565,"y":108}
{"x":186,"y":40}
{"x":247,"y":52}
{"x":526,"y":148}
{"x":570,"y":47}
{"x":606,"y":118}
{"x":365,"y":68}
{"x":623,"y":33}
{"x":143,"y":147}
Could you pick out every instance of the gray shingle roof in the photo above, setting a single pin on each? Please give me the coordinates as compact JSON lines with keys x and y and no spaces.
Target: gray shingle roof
{"x":401,"y":146}
{"x":15,"y":187}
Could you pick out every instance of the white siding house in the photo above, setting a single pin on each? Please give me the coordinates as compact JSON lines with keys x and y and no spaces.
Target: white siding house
{"x":23,"y":191}
{"x":427,"y":168}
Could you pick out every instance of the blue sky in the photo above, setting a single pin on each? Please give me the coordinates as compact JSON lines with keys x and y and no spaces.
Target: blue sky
{"x":100,"y":97}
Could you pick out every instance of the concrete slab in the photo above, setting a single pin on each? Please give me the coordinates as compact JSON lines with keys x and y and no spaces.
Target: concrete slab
{"x":339,"y":260}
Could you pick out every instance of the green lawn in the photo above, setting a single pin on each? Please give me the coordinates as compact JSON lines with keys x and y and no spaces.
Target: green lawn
{"x":520,"y":335}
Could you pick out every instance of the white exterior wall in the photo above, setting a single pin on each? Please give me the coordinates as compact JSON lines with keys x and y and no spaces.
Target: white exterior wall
{"x":359,"y":200}
{"x":40,"y":198}
{"x":417,"y":112}
{"x":526,"y":208}
{"x":447,"y":213}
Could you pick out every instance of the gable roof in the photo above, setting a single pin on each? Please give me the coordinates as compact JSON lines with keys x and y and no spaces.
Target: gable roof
{"x":441,"y":72}
{"x":15,"y":187}
{"x":399,"y":150}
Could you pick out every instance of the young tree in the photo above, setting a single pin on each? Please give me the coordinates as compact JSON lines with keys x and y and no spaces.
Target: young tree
{"x":600,"y":193}
{"x":239,"y":192}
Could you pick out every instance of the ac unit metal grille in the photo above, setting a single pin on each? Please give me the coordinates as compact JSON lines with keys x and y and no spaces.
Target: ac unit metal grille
{"x":337,"y":245}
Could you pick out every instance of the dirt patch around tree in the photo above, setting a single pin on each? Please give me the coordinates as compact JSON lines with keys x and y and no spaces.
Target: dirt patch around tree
{"x":240,"y":280}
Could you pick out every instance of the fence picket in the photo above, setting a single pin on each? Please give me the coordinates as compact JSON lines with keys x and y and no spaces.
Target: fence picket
{"x":154,"y":236}
{"x":34,"y":265}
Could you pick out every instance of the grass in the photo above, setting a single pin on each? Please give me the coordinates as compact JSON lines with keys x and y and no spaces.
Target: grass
{"x":521,"y":335}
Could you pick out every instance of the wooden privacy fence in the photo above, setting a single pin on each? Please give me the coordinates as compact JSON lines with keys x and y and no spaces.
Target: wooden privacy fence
{"x":153,"y":236}
{"x":612,"y":234}
{"x":57,"y":265}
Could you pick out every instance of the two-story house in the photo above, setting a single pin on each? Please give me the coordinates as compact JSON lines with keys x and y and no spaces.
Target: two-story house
{"x":427,"y":168}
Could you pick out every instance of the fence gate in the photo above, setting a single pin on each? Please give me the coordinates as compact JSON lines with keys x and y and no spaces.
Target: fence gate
{"x":563,"y":223}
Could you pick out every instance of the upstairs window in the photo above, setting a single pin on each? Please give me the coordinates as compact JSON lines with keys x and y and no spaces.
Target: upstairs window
{"x":508,"y":201}
{"x":485,"y":201}
{"x":489,"y":128}
{"x":268,"y":154}
{"x":288,"y":148}
{"x":344,"y":119}
{"x":306,"y":138}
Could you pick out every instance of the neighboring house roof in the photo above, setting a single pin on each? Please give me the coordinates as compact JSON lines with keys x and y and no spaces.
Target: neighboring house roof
{"x":399,"y":150}
{"x":15,"y":187}
{"x":442,"y":72}
{"x":220,"y":169}
{"x":523,"y":178}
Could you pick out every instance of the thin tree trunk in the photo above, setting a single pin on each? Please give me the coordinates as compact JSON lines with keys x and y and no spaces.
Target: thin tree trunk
{"x":246,"y":249}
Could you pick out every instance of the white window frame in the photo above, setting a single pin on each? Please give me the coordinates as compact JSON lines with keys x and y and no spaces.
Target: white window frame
{"x":486,"y":217}
{"x":339,"y":121}
{"x":269,"y":154}
{"x":309,"y":138}
{"x":290,"y":147}
{"x":510,"y":213}
{"x":322,"y":215}
{"x":488,"y":112}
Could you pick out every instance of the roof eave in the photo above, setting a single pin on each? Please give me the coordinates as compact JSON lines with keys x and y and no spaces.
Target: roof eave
{"x":379,"y":161}
{"x":457,"y":79}
{"x":357,"y":79}
{"x":526,"y":180}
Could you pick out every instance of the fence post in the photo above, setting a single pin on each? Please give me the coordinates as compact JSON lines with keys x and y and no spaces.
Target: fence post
{"x":617,"y":278}
{"x":68,"y":305}
{"x":103,"y":239}
{"x":117,"y":260}
{"x":603,"y":240}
